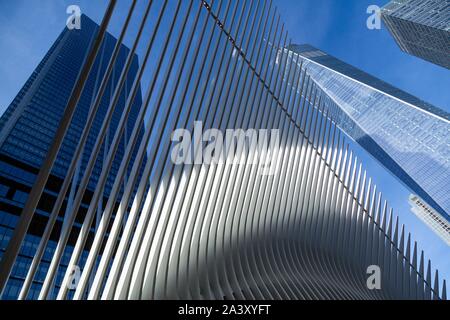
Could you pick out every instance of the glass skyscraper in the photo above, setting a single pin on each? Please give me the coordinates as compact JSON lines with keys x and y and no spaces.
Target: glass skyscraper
{"x":421,"y":28}
{"x":410,"y":137}
{"x":27,"y":129}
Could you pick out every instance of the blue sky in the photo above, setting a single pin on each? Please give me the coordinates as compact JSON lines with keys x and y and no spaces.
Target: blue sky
{"x":335,"y":26}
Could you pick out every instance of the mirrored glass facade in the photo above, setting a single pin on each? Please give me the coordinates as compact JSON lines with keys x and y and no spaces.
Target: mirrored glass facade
{"x":27,"y":129}
{"x":421,"y":28}
{"x":408,"y":136}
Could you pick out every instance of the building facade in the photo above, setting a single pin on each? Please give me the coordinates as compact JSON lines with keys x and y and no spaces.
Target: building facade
{"x":27,"y":129}
{"x":431,"y":218}
{"x":312,"y":228}
{"x":421,"y":28}
{"x":408,"y":136}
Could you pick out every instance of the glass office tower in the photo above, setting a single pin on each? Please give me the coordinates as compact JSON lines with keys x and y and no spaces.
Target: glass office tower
{"x":27,"y":129}
{"x":411,"y":138}
{"x":421,"y":28}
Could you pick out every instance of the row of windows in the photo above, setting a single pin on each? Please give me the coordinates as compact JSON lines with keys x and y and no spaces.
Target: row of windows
{"x":443,"y":223}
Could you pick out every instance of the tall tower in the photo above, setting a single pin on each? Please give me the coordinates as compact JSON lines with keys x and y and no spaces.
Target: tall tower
{"x":421,"y":28}
{"x":408,"y":136}
{"x":27,"y":129}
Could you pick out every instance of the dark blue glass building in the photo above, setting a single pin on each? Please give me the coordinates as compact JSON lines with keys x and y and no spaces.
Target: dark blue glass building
{"x":27,"y":129}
